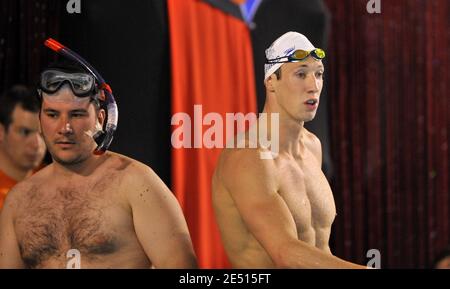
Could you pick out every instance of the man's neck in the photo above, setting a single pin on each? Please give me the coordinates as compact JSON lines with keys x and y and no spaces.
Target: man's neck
{"x":83,"y":168}
{"x":9,"y":168}
{"x":291,"y":133}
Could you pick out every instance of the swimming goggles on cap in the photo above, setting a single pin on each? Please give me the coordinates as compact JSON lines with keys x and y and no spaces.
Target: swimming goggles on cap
{"x":298,"y":55}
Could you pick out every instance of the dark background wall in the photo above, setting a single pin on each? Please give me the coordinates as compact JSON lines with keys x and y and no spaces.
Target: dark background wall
{"x":24,"y":26}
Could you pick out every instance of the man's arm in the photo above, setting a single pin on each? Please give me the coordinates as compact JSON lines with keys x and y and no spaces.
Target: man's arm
{"x":9,"y":248}
{"x":253,"y":185}
{"x":159,"y":221}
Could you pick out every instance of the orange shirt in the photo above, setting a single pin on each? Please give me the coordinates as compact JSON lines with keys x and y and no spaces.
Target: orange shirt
{"x":6,"y":183}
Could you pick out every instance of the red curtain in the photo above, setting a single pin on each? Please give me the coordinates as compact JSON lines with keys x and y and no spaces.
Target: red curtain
{"x":389,"y":99}
{"x":212,"y":66}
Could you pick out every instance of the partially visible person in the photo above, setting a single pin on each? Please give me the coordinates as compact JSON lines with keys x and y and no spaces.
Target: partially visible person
{"x":442,"y":261}
{"x":22,"y":148}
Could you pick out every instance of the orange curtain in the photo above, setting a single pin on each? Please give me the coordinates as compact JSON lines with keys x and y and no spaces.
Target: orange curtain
{"x":212,"y":66}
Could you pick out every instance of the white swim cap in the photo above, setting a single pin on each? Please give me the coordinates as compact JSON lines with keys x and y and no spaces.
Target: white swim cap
{"x":282,"y":47}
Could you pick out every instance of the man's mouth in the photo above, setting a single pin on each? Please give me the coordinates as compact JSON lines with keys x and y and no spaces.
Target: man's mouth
{"x":312,"y":104}
{"x":311,"y":101}
{"x":65,"y":144}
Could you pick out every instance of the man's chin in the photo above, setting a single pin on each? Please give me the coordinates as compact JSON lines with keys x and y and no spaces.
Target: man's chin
{"x":309,"y":118}
{"x":29,"y":167}
{"x":67,"y":161}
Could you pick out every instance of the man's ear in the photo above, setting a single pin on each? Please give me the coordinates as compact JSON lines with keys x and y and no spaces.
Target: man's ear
{"x":101,"y":117}
{"x":2,"y":132}
{"x":269,"y":83}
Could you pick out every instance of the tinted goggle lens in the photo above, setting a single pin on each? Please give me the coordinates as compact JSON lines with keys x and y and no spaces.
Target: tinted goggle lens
{"x":302,"y":54}
{"x":298,"y":55}
{"x":82,"y":84}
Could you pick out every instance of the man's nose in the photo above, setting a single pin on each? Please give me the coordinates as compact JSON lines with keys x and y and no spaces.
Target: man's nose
{"x":313,"y":84}
{"x":65,"y":127}
{"x":34,"y":140}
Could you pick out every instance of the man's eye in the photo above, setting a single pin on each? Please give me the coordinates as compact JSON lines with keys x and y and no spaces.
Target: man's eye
{"x":301,"y":74}
{"x":24,"y":132}
{"x":51,"y":115}
{"x":78,"y":114}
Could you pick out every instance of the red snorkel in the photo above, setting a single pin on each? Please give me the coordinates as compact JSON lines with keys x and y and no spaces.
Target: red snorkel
{"x":102,"y":138}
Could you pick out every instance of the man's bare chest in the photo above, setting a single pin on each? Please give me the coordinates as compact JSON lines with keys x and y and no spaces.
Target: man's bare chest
{"x":55,"y":219}
{"x":307,"y":194}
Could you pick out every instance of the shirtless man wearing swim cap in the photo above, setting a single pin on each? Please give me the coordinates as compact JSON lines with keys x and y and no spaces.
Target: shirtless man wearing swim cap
{"x":108,"y":211}
{"x":278,"y":212}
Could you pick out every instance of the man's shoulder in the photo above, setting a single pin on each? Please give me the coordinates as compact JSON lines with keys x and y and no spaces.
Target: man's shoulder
{"x":36,"y":179}
{"x":132,"y":170}
{"x":235,"y":164}
{"x":19,"y":192}
{"x":311,"y":138}
{"x":136,"y":177}
{"x":126,"y":164}
{"x":244,"y":157}
{"x":29,"y":185}
{"x":313,"y":143}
